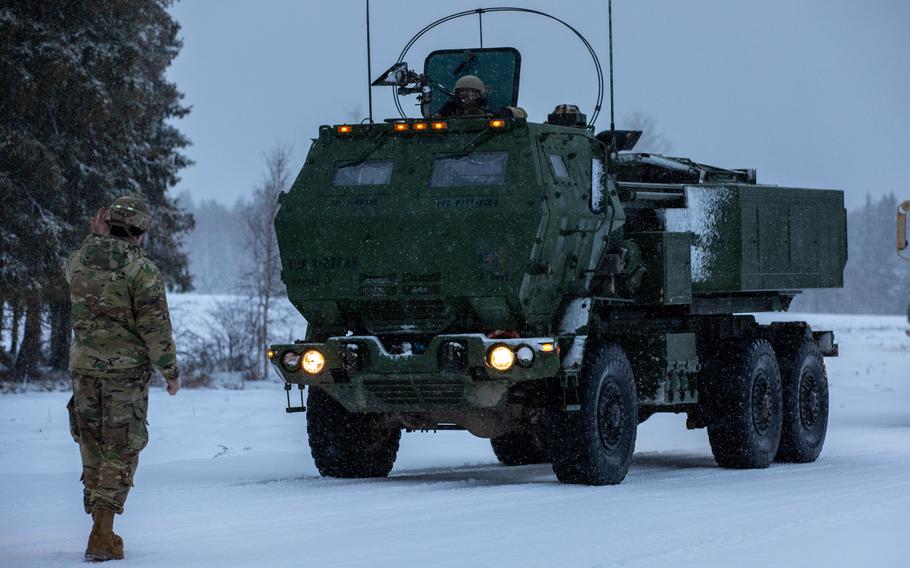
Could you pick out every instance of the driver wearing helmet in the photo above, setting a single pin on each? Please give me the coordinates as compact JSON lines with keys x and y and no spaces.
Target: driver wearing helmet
{"x":469,"y":98}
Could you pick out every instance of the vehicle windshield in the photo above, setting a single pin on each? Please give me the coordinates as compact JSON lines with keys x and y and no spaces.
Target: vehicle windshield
{"x":480,"y":168}
{"x":368,"y":172}
{"x":498,"y":67}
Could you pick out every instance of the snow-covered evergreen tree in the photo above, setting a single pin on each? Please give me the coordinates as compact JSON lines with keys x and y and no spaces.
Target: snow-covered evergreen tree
{"x":85,"y":116}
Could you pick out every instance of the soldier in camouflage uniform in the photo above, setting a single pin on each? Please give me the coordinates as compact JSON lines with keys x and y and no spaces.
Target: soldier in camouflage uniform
{"x":469,"y":98}
{"x":122,"y":329}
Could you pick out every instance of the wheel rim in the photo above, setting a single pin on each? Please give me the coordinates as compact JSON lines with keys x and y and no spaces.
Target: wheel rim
{"x":809,"y":399}
{"x":762,"y":405}
{"x":610,"y":417}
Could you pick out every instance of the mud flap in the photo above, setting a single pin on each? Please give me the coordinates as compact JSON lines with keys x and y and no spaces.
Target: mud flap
{"x":573,"y":329}
{"x":571,"y":370}
{"x":825,"y":342}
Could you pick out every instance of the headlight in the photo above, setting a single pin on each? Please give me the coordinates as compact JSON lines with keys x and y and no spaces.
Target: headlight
{"x":291,"y":360}
{"x":313,"y":362}
{"x":524,"y":355}
{"x":501,"y":358}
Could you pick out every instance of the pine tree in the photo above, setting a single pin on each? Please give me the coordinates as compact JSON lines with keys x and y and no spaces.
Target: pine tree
{"x":84,"y":118}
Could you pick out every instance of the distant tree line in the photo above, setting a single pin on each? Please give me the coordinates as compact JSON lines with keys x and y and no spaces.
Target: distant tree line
{"x":86,"y":115}
{"x":234,"y":251}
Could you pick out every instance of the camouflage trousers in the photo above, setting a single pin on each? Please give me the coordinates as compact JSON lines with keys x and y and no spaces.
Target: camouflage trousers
{"x":108,"y":421}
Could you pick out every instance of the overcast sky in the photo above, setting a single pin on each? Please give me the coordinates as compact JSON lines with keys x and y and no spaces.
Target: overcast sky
{"x":812,"y":93}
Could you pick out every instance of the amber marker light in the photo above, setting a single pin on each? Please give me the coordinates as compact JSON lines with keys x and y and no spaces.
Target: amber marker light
{"x":313,"y":361}
{"x":344,"y":129}
{"x":501,"y":358}
{"x":439,"y":126}
{"x":547,"y":347}
{"x":400,"y":126}
{"x":497,"y":123}
{"x":420,"y":126}
{"x":270,"y":354}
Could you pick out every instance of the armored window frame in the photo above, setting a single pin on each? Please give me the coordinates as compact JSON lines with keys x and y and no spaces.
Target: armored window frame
{"x":370,"y":173}
{"x":444,"y":67}
{"x":558,"y":167}
{"x":440,"y":177}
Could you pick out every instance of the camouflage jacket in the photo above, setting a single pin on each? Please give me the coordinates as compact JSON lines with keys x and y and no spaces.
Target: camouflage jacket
{"x":120,"y":314}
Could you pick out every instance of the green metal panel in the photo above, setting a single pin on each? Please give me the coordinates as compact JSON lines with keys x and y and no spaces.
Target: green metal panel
{"x":800,"y":237}
{"x":752,"y":238}
{"x":667,"y":276}
{"x":403,"y":255}
{"x":664,"y":366}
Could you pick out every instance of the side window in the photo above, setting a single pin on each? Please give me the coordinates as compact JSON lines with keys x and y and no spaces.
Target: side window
{"x":480,"y":168}
{"x":598,"y":186}
{"x":368,"y":172}
{"x":560,"y":171}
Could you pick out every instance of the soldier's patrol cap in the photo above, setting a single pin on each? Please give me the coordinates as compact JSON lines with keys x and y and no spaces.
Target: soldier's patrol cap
{"x":129,"y":212}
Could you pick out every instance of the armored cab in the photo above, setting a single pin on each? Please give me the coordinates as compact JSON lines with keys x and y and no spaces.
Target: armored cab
{"x":541,"y":285}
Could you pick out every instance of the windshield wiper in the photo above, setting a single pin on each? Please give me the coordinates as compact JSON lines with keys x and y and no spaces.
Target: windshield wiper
{"x":378,"y":140}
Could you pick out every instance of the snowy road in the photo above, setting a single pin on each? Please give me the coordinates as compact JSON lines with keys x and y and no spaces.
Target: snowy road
{"x":227,"y":481}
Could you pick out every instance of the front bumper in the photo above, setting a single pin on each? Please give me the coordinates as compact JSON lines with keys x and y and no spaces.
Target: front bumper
{"x":450,"y":373}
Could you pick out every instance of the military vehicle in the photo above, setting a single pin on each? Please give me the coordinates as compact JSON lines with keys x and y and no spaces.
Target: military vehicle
{"x":540,"y":285}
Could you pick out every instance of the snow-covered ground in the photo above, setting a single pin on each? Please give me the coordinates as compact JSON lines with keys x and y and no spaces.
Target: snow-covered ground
{"x":227,"y":480}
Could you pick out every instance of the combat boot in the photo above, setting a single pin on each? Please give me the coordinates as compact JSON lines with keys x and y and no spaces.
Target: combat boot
{"x":103,"y":544}
{"x":117,"y":540}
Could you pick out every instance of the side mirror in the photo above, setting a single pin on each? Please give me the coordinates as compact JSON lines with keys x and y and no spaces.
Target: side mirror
{"x":619,"y":140}
{"x":395,"y":76}
{"x":902,"y":210}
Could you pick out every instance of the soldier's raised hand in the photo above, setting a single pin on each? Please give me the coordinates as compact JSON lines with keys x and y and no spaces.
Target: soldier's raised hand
{"x":98,"y":225}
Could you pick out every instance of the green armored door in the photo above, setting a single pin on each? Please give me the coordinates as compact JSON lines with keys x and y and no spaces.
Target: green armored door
{"x":570,"y":161}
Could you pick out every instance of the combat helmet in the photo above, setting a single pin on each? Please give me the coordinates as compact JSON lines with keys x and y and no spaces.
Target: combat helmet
{"x":470,"y":82}
{"x":128,"y":212}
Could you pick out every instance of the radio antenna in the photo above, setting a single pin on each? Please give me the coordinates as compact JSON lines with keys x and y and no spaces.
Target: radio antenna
{"x":610,"y":26}
{"x":369,"y":66}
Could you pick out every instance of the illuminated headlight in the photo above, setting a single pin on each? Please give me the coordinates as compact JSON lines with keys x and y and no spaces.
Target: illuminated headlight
{"x":524,"y":356}
{"x":313,"y":362}
{"x":501,"y":358}
{"x":291,"y":360}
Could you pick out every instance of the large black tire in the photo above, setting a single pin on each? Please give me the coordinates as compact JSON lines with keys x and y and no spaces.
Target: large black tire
{"x":805,"y":400}
{"x":745,"y":409}
{"x":594,"y":446}
{"x":518,"y":447}
{"x":347,"y":444}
